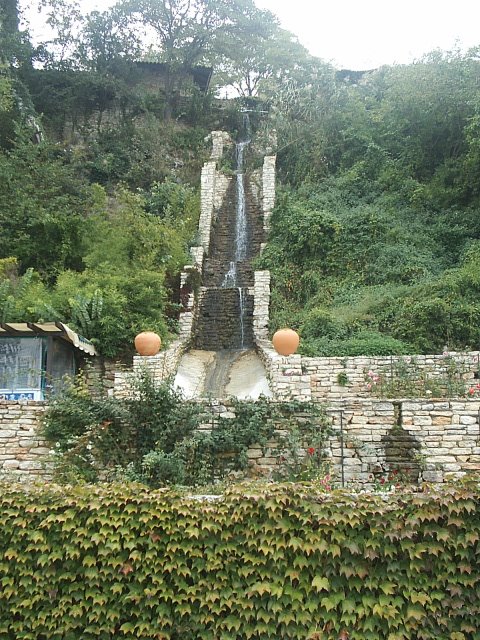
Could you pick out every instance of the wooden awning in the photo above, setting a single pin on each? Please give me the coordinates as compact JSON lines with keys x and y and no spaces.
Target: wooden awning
{"x":26,"y":329}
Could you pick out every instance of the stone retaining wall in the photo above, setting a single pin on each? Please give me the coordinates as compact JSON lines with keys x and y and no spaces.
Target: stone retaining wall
{"x":325,"y":373}
{"x":422,"y":439}
{"x":22,"y":454}
{"x":329,"y":379}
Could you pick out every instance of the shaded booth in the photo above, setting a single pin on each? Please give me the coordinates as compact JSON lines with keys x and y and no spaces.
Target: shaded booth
{"x":36,"y":357}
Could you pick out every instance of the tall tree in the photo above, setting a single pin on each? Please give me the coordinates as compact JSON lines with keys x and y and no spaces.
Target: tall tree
{"x":106,"y":41}
{"x":10,"y":37}
{"x":190,"y":32}
{"x":258,"y":61}
{"x":65,"y":19}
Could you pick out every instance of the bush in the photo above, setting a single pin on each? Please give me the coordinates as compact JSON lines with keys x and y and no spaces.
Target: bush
{"x":153,"y":437}
{"x":365,"y":343}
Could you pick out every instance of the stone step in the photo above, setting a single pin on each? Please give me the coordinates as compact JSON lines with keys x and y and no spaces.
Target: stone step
{"x":219,"y":321}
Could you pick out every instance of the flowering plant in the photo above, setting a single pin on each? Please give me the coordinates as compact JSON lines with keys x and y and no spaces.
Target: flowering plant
{"x":389,"y":481}
{"x":474,"y":391}
{"x":372,"y":379}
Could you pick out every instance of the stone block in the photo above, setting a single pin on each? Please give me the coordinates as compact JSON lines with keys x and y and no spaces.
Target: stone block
{"x":441,"y":420}
{"x":7,"y":433}
{"x":422,"y":421}
{"x":433,"y":476}
{"x":11,"y":464}
{"x":30,"y":465}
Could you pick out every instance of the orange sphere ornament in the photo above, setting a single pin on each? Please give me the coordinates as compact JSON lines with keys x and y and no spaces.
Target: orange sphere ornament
{"x":148,"y":343}
{"x":286,"y":341}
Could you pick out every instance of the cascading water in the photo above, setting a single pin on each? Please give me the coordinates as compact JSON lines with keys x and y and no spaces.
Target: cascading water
{"x":241,"y":227}
{"x":223,"y":362}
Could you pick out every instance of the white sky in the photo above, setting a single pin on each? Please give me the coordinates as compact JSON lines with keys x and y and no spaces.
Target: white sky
{"x":364,"y":34}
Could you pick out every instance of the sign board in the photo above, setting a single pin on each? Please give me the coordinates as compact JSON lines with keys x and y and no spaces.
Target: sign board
{"x":15,"y":395}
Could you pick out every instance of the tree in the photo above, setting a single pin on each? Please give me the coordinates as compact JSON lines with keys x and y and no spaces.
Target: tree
{"x":106,"y":43}
{"x":191,"y":32}
{"x":258,"y":62}
{"x":42,"y":207}
{"x":15,"y":49}
{"x":65,"y":18}
{"x":421,"y":109}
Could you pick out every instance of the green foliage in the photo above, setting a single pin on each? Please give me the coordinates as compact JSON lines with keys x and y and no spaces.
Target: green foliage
{"x":22,"y":298}
{"x":124,"y":561}
{"x":42,"y":208}
{"x":128,"y":253}
{"x":388,"y":163}
{"x":6,"y":98}
{"x":363,"y":343}
{"x":93,"y":437}
{"x":154,"y":436}
{"x":301,"y":445}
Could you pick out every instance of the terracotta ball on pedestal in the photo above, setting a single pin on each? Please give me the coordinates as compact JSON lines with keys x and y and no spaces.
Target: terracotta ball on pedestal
{"x":148,"y":343}
{"x":285,"y":341}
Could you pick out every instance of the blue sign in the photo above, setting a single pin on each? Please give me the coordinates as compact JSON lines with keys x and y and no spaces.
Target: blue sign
{"x":17,"y":396}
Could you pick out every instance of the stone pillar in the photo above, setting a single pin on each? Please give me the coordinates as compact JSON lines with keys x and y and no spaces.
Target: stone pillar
{"x":268,"y":189}
{"x":261,"y":293}
{"x":206,"y":207}
{"x":219,"y":140}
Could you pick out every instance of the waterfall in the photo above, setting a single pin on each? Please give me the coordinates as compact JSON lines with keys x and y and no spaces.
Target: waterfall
{"x":223,"y":361}
{"x":230,"y":279}
{"x":241,"y":297}
{"x":241,"y":218}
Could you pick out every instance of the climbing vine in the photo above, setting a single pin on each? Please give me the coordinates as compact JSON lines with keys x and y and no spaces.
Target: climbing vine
{"x":262,"y":562}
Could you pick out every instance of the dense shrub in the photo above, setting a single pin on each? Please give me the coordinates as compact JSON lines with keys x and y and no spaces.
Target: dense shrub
{"x":153,"y":437}
{"x":274,"y":561}
{"x":365,"y":343}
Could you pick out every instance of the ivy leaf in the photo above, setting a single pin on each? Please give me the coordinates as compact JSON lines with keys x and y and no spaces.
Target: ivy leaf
{"x":321,"y":584}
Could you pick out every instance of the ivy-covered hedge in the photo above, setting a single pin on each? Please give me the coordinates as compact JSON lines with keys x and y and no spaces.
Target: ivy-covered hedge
{"x":275,"y":561}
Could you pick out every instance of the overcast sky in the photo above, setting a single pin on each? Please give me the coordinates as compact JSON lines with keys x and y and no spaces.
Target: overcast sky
{"x":364,"y":34}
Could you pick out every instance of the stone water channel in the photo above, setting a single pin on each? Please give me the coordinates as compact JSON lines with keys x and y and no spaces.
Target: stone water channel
{"x":223,"y":361}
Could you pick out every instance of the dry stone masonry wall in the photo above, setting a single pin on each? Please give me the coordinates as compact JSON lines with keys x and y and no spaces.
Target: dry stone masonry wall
{"x":427,"y":440}
{"x":213,"y":188}
{"x":327,"y":379}
{"x":219,"y":322}
{"x":424,"y":440}
{"x":268,"y":188}
{"x":23,"y":455}
{"x":261,"y":296}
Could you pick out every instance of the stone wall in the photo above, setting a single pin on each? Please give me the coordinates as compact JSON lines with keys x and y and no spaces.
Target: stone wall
{"x":422,"y":439}
{"x":159,"y":368}
{"x":220,"y":323}
{"x":328,"y":379}
{"x":261,"y":297}
{"x":22,"y":454}
{"x":213,"y":188}
{"x":325,"y":373}
{"x":419,"y":440}
{"x":268,"y":188}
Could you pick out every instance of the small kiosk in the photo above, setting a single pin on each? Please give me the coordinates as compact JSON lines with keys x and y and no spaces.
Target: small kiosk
{"x":36,"y":357}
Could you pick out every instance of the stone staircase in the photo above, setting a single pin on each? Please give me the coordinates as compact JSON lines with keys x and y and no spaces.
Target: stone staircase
{"x":225,"y":314}
{"x":222,"y":240}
